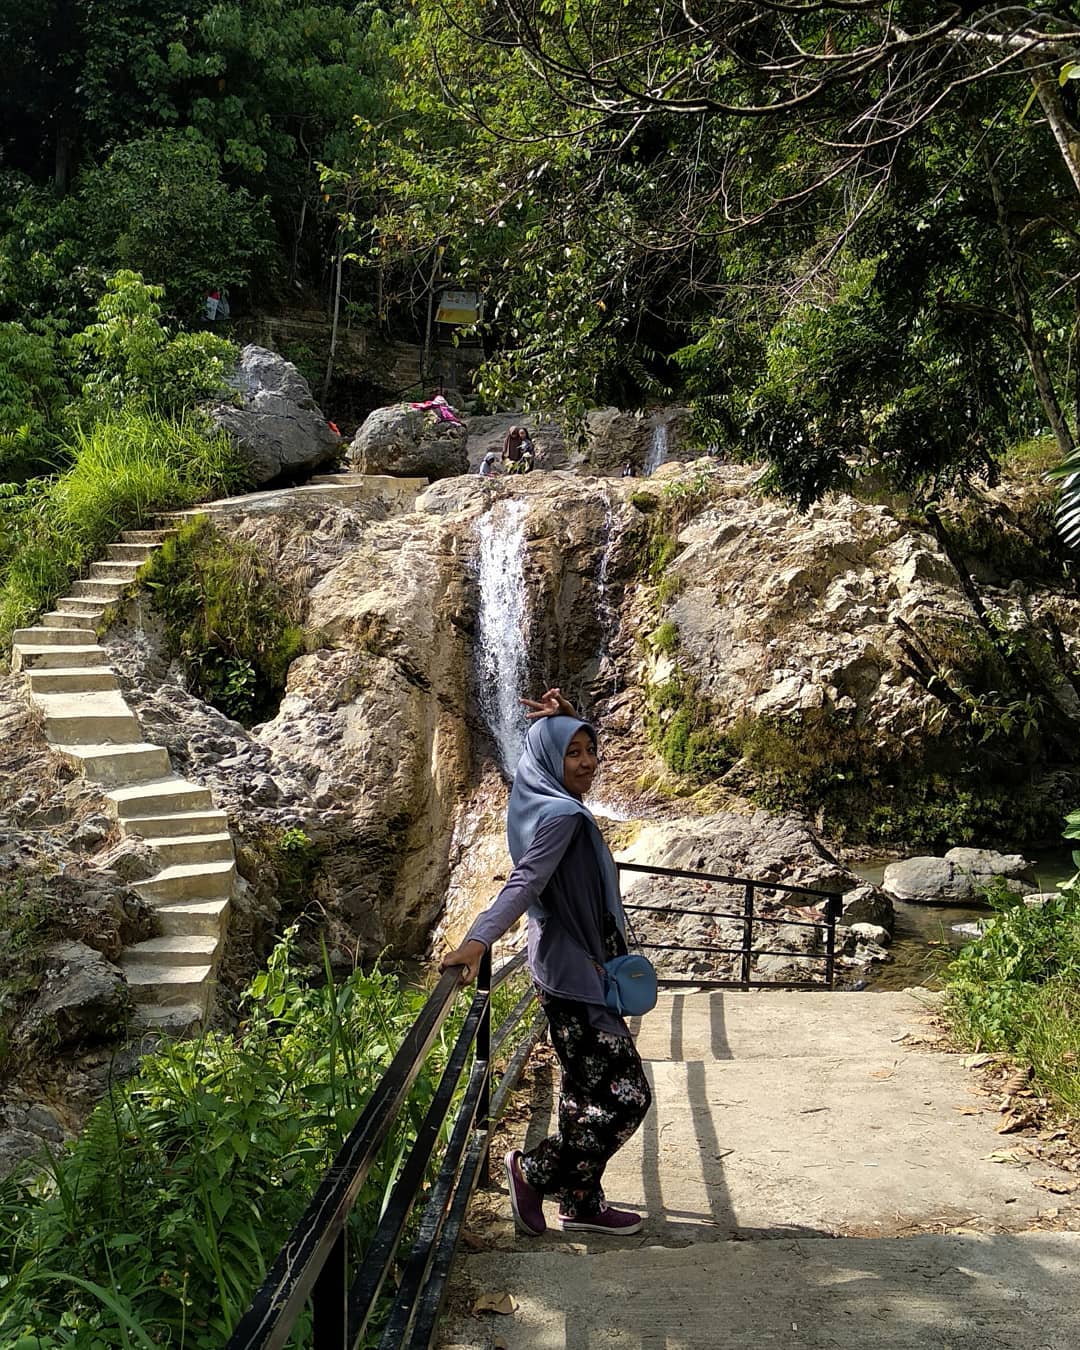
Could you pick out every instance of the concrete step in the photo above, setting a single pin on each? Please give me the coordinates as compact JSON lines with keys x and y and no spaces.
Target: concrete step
{"x":171,"y":951}
{"x":89,"y":719}
{"x":114,"y":571}
{"x":49,"y":637}
{"x":177,"y":1020}
{"x":196,"y":848}
{"x":166,"y":984}
{"x":108,"y":591}
{"x":72,"y":618}
{"x":58,"y":658}
{"x":190,"y":917}
{"x":146,"y":536}
{"x":163,"y":796}
{"x":177,"y":823}
{"x":130,"y":553}
{"x":112,"y":765}
{"x":92,"y":611}
{"x":188,"y":881}
{"x":73,"y":680}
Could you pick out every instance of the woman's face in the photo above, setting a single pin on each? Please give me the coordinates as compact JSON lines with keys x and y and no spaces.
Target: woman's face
{"x":579,"y":763}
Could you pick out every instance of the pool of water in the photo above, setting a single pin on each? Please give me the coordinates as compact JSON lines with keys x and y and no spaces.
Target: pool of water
{"x":925,"y":939}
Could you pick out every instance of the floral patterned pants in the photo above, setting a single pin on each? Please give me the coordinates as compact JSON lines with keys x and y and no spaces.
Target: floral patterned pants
{"x":605,"y":1096}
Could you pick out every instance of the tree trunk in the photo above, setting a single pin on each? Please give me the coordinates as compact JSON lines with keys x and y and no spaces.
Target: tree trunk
{"x":1049,"y":95}
{"x":337,"y":315}
{"x":1040,"y":371}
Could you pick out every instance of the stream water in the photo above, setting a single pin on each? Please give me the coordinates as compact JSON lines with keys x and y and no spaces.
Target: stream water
{"x":503,"y":626}
{"x":925,"y":936}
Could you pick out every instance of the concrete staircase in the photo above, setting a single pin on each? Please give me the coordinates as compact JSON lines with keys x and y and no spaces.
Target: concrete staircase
{"x":86,"y":719}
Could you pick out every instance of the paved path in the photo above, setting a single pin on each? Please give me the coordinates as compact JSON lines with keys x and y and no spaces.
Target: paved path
{"x":794,"y":1135}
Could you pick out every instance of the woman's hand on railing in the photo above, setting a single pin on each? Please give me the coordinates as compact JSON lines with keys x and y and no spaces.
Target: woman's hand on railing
{"x":550,"y":704}
{"x":466,"y":958}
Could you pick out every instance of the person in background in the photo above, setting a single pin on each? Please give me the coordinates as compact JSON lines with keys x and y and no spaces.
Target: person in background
{"x":488,"y":467}
{"x":511,"y":451}
{"x":628,"y":470}
{"x":565,"y":879}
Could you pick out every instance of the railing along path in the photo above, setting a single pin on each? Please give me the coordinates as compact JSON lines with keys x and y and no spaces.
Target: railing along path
{"x":314,"y":1264}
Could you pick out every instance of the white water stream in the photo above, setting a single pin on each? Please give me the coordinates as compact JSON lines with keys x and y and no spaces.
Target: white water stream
{"x":658,"y":449}
{"x":503,"y":626}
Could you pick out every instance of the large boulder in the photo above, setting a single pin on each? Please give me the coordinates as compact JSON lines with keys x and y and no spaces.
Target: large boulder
{"x":410,"y":443}
{"x":960,"y":878}
{"x":83,"y":998}
{"x":274,"y":418}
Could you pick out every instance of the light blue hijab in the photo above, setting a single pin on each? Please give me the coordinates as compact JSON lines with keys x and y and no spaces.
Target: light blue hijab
{"x":539,"y":793}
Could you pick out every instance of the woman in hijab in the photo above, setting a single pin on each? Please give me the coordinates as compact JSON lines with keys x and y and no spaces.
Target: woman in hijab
{"x":565,"y":879}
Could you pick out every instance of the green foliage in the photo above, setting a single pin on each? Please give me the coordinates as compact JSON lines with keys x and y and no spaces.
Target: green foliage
{"x":682,"y":725}
{"x":159,"y":206}
{"x":157,"y":1224}
{"x":665,"y":638}
{"x":1016,"y":989}
{"x":130,"y":360}
{"x":234,"y":626}
{"x":32,"y":392}
{"x":124,"y":471}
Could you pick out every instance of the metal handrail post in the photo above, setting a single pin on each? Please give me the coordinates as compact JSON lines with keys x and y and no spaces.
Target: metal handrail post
{"x":834,"y":907}
{"x":748,"y":933}
{"x":483,"y":1056}
{"x":329,"y":1299}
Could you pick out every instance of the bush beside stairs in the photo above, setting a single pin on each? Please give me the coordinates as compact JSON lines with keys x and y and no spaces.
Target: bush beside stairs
{"x":171,"y":975}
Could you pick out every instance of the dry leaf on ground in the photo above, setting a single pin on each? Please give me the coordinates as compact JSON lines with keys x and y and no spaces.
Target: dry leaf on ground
{"x":502,"y":1303}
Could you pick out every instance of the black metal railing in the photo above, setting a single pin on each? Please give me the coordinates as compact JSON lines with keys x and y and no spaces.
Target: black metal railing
{"x":749,"y":915}
{"x":314,"y":1264}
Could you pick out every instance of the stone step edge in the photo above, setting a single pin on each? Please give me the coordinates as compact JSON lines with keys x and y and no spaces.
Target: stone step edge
{"x":115,"y":576}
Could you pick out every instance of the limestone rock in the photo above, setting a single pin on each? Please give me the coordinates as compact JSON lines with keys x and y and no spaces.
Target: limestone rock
{"x":869,"y":904}
{"x":410,"y":443}
{"x":275,"y":419}
{"x":83,"y":998}
{"x":959,"y":878}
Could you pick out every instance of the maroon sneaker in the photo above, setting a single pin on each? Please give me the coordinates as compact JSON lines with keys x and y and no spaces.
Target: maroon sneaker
{"x":527,"y":1203}
{"x":618,"y":1222}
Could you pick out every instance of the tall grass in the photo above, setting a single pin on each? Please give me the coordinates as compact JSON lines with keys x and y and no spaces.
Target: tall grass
{"x":1016,"y":990}
{"x":157,"y":1225}
{"x":124,"y":471}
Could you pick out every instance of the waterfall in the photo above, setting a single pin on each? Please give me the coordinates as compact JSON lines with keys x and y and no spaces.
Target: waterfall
{"x":658,"y":448}
{"x":606,"y":613}
{"x":503,"y":626}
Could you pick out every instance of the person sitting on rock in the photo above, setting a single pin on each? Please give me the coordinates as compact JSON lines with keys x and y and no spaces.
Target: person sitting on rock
{"x":512,"y":444}
{"x":488,"y":468}
{"x":527,"y":462}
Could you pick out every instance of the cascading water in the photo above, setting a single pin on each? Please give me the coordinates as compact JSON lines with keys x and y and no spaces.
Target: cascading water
{"x":503,"y":626}
{"x":658,"y":449}
{"x":606,"y":612}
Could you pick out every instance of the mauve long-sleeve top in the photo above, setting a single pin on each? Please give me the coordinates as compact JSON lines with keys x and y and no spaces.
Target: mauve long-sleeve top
{"x":558,"y":878}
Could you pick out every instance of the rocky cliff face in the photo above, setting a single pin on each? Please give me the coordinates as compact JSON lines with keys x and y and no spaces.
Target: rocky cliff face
{"x":704,"y":626}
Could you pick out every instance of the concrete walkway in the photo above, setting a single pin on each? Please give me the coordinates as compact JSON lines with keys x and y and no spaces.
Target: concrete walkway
{"x":793,"y":1136}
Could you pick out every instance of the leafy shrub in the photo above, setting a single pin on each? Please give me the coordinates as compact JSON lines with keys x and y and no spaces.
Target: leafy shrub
{"x":235,"y":628}
{"x":665,"y":638}
{"x":31,"y":395}
{"x":159,"y":206}
{"x":125,"y":471}
{"x":157,"y":1224}
{"x":1016,"y":989}
{"x":128,"y":359}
